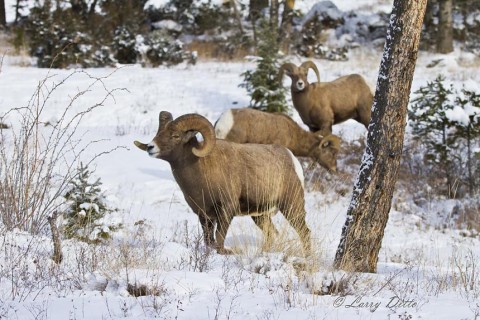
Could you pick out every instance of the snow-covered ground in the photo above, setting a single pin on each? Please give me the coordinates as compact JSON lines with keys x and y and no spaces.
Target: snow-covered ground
{"x":424,"y":272}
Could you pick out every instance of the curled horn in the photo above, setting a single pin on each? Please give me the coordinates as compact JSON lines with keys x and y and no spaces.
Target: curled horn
{"x":289,"y":67}
{"x":195,"y":122}
{"x":309,"y":64}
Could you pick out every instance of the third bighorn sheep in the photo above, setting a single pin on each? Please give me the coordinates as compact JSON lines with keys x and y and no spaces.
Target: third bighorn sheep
{"x":247,"y":125}
{"x":323,"y":104}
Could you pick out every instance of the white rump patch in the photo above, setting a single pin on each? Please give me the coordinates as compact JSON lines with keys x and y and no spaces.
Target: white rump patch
{"x":298,"y":168}
{"x":224,"y":124}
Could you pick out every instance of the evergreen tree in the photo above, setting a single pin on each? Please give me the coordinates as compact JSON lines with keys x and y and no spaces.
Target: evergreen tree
{"x":447,"y":122}
{"x":266,"y":91}
{"x":86,"y":208}
{"x":430,"y":124}
{"x":467,"y":126}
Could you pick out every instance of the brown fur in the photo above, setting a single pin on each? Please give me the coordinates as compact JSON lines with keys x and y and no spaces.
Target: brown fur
{"x":232,"y":179}
{"x":254,"y":126}
{"x":323,"y":104}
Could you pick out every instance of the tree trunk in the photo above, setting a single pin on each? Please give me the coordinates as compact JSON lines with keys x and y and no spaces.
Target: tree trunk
{"x":57,"y":243}
{"x":445,"y":27}
{"x":471,"y":180}
{"x":17,"y":11}
{"x":237,"y":16}
{"x":3,"y":17}
{"x":256,"y":7}
{"x":285,"y":29}
{"x":368,"y":212}
{"x":274,"y":15}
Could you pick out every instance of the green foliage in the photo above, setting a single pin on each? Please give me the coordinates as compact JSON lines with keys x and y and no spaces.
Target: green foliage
{"x":447,"y":123}
{"x":86,"y":209}
{"x":265,"y":89}
{"x":124,"y":45}
{"x":162,"y":49}
{"x":60,"y":38}
{"x":468,"y":127}
{"x":96,"y":34}
{"x":196,"y":17}
{"x":428,"y":118}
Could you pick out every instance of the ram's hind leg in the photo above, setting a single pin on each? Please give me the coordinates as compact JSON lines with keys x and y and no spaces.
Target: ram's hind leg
{"x":264,"y":222}
{"x":295,"y":215}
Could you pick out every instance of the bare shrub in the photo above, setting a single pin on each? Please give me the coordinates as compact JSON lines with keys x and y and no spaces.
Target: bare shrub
{"x":200,"y":256}
{"x":39,"y":158}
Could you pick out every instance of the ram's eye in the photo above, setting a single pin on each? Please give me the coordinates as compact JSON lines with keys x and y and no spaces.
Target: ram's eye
{"x":175,"y":136}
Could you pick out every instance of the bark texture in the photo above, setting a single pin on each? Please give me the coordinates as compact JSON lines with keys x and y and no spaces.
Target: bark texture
{"x":445,"y":27}
{"x":369,"y":209}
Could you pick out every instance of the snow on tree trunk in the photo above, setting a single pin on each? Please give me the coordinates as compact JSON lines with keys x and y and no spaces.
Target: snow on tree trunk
{"x":445,"y":27}
{"x":368,"y":212}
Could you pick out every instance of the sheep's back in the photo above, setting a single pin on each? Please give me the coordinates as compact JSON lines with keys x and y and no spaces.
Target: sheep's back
{"x":261,"y":173}
{"x":254,"y":126}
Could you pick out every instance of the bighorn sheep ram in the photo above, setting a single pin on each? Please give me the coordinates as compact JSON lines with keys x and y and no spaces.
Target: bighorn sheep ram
{"x":247,"y":125}
{"x":323,"y":104}
{"x":221,"y":179}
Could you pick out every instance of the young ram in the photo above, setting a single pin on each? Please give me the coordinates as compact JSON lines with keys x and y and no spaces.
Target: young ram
{"x":248,"y":125}
{"x":221,"y":179}
{"x":323,"y":104}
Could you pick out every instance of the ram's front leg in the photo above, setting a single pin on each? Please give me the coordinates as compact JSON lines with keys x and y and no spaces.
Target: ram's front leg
{"x":208,"y":227}
{"x":223,"y":222}
{"x":322,"y":121}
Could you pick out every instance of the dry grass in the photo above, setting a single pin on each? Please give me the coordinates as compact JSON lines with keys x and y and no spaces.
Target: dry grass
{"x":208,"y":50}
{"x":468,"y":218}
{"x":34,"y":170}
{"x":17,"y":57}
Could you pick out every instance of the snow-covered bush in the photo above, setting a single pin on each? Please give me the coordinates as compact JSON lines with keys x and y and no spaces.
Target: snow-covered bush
{"x":124,"y":45}
{"x":84,"y":217}
{"x":314,"y":30}
{"x":446,"y":122}
{"x":60,"y":39}
{"x":159,"y":48}
{"x":196,"y":17}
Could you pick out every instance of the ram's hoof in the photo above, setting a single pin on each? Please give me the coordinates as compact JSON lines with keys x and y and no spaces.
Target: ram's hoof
{"x":224,"y":251}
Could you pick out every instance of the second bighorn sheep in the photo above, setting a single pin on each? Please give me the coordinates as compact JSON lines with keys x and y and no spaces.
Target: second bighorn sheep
{"x":221,"y":179}
{"x":323,"y":104}
{"x":247,"y":125}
